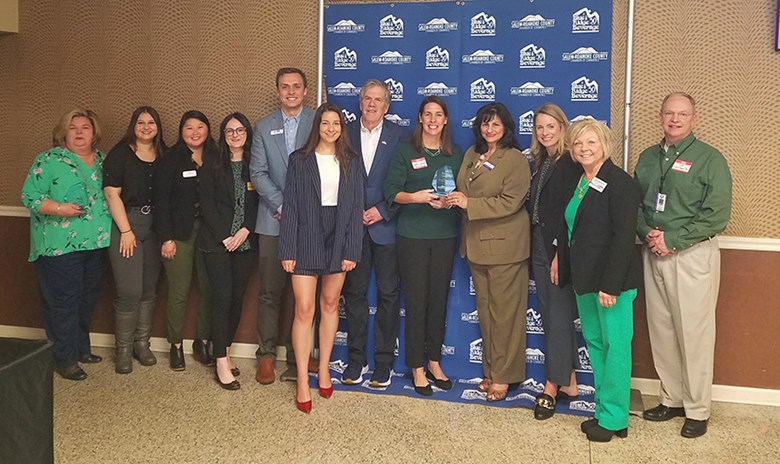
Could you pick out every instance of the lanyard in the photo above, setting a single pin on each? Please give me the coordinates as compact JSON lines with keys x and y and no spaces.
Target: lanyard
{"x":661,"y":165}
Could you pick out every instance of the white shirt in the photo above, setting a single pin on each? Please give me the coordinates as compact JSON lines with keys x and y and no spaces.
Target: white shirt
{"x":369,"y":140}
{"x":329,"y":179}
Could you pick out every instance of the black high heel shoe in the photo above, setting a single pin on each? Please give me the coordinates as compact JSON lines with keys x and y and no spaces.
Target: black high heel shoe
{"x":234,"y":385}
{"x":600,"y":434}
{"x":443,"y":384}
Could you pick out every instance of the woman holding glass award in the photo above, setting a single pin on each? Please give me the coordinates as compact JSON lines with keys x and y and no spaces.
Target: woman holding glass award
{"x":421,"y":174}
{"x":492,"y":186}
{"x":69,"y":229}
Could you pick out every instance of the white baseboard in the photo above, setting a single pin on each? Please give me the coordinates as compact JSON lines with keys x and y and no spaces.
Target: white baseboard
{"x":724,"y":393}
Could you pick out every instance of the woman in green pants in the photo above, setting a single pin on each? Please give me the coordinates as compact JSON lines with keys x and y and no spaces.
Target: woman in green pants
{"x":597,"y":257}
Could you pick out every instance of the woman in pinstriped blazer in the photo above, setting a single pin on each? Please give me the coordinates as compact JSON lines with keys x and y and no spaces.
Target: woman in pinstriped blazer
{"x":320,"y":237}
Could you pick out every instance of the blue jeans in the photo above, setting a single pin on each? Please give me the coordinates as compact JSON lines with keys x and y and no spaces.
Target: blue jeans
{"x":69,"y":287}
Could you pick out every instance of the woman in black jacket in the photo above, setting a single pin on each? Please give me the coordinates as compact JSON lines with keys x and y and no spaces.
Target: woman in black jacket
{"x":177,"y":221}
{"x":229,"y":209}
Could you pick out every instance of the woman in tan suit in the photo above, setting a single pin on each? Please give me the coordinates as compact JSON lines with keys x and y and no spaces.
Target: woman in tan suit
{"x":492,"y":185}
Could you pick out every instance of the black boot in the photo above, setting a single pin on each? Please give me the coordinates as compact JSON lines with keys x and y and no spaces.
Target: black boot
{"x":124,"y":328}
{"x":177,"y":358}
{"x":143,"y":331}
{"x":200,"y":351}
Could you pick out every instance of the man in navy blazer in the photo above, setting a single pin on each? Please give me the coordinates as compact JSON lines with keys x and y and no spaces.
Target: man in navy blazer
{"x":275,"y":137}
{"x":374,"y":138}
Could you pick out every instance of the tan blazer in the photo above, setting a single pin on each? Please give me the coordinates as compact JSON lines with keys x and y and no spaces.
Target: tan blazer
{"x":496,"y":227}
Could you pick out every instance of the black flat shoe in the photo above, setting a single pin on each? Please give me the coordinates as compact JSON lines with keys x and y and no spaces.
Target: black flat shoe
{"x":74,"y":372}
{"x":235,"y":371}
{"x":693,"y":428}
{"x":234,"y":385}
{"x":443,"y":384}
{"x":563,"y":396}
{"x":663,"y":413}
{"x":545,"y":407}
{"x":200,"y":351}
{"x":600,"y":434}
{"x":588,"y":424}
{"x":424,"y":391}
{"x":90,"y":359}
{"x":177,"y":358}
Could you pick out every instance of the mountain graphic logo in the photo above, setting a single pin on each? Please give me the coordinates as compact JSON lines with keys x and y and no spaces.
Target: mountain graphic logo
{"x":346,"y":26}
{"x":525,"y":123}
{"x":584,"y":89}
{"x":391,"y":57}
{"x":437,"y":58}
{"x":349,"y":117}
{"x":584,"y":360}
{"x":475,"y":351}
{"x":343,"y":89}
{"x":344,"y":58}
{"x":396,"y":89}
{"x":482,"y":90}
{"x":585,"y":55}
{"x":585,"y":21}
{"x":437,"y":88}
{"x":483,"y":57}
{"x":532,"y":56}
{"x":534,"y":356}
{"x":398,"y":120}
{"x":533,"y":22}
{"x":391,"y":27}
{"x":534,"y":321}
{"x":483,"y":25}
{"x":437,"y":25}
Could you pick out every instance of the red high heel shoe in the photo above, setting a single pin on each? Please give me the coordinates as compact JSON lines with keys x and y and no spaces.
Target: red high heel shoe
{"x":325,"y":392}
{"x":303,"y":406}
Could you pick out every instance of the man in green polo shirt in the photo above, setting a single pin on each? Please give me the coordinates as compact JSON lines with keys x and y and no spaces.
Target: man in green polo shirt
{"x":686,"y":201}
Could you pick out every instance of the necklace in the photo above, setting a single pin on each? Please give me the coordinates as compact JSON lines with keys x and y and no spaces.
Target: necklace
{"x":432,"y":153}
{"x":581,"y":188}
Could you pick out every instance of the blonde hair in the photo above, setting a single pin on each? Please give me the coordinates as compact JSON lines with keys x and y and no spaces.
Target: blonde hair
{"x":555,"y":112}
{"x":601,"y":130}
{"x":61,"y":129}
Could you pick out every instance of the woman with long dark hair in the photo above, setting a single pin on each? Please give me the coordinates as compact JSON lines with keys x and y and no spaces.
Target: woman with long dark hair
{"x":177,"y":220}
{"x":427,"y":232}
{"x":134,"y":251}
{"x":320,"y":239}
{"x":228,"y":202}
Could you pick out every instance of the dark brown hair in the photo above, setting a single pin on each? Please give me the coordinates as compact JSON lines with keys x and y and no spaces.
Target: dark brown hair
{"x":344,"y":151}
{"x":446,"y":133}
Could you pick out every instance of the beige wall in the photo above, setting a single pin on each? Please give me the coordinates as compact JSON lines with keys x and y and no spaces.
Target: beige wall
{"x":221,"y":56}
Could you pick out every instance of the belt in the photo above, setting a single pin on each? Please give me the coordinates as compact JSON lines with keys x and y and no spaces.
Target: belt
{"x":145,"y":209}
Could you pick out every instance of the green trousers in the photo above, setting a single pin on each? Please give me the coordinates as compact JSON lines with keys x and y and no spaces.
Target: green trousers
{"x":178,"y":271}
{"x":608,"y":333}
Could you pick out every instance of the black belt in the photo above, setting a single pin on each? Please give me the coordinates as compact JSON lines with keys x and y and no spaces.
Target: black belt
{"x":145,"y":209}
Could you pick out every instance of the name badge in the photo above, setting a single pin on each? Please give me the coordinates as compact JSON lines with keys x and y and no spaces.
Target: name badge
{"x":660,"y":202}
{"x":190,"y":173}
{"x":682,"y":166}
{"x":277,"y":132}
{"x":598,"y":184}
{"x":488,"y":165}
{"x":249,"y":186}
{"x":419,"y":163}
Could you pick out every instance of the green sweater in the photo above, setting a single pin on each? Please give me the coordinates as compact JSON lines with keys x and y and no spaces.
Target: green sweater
{"x":417,"y":220}
{"x":58,"y":174}
{"x":698,"y":202}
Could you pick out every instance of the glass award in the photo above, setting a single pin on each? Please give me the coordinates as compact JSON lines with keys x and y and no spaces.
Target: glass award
{"x":443,"y":181}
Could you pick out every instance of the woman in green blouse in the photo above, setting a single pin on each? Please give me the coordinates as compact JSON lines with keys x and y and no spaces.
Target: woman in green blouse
{"x":427,"y":232}
{"x":69,"y":229}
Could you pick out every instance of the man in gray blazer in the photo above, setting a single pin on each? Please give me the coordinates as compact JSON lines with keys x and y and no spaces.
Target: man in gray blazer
{"x":374,"y":139}
{"x":275,"y":137}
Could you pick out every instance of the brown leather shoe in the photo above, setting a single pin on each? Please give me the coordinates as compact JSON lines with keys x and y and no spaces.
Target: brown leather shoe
{"x":265,"y":371}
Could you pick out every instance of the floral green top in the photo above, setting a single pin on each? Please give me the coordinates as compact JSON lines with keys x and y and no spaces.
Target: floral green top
{"x":59,"y":175}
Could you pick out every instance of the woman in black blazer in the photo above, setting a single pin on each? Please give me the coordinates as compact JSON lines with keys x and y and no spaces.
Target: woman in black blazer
{"x":596,"y":254}
{"x":228,"y":203}
{"x":177,"y":221}
{"x":321,"y":236}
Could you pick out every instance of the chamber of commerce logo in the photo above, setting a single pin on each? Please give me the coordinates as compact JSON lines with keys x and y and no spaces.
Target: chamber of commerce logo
{"x":534,"y":356}
{"x":585,"y":21}
{"x":391,"y":57}
{"x":471,"y":318}
{"x":483,"y":57}
{"x":534,"y":322}
{"x":439,"y":89}
{"x":467,"y":124}
{"x":344,"y":89}
{"x":341,"y":338}
{"x":403,"y":122}
{"x":396,"y":89}
{"x":584,"y":89}
{"x":580,"y":117}
{"x":391,"y":27}
{"x":438,"y":25}
{"x":471,"y":381}
{"x":483,"y":25}
{"x":344,"y":58}
{"x":585,"y":390}
{"x":584,"y":360}
{"x":531,"y":282}
{"x":525,"y":123}
{"x":471,"y":395}
{"x":532,"y":89}
{"x":346,"y":26}
{"x":533,"y":22}
{"x":472,"y":290}
{"x":482,"y":90}
{"x":348,"y":117}
{"x":447,"y":350}
{"x":532,"y":56}
{"x":582,"y":406}
{"x":342,"y":308}
{"x":585,"y":54}
{"x":475,"y":351}
{"x":338,"y":366}
{"x":533,"y":385}
{"x":522,"y":396}
{"x":437,"y":58}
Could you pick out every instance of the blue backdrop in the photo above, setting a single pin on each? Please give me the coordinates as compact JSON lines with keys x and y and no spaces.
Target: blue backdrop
{"x":521,"y":54}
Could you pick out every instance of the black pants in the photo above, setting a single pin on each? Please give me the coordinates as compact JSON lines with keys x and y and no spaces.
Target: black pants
{"x":69,"y":286}
{"x":229,"y":274}
{"x":425,"y":267}
{"x":385,"y":263}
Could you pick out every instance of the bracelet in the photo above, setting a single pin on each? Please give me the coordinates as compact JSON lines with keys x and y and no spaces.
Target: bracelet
{"x":128,"y":230}
{"x":58,"y":208}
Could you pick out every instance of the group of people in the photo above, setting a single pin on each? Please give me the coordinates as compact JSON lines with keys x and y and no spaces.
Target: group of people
{"x":325,"y":203}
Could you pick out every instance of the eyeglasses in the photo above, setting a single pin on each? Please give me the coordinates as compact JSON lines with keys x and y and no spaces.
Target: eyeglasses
{"x":237,"y":131}
{"x":681,"y":114}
